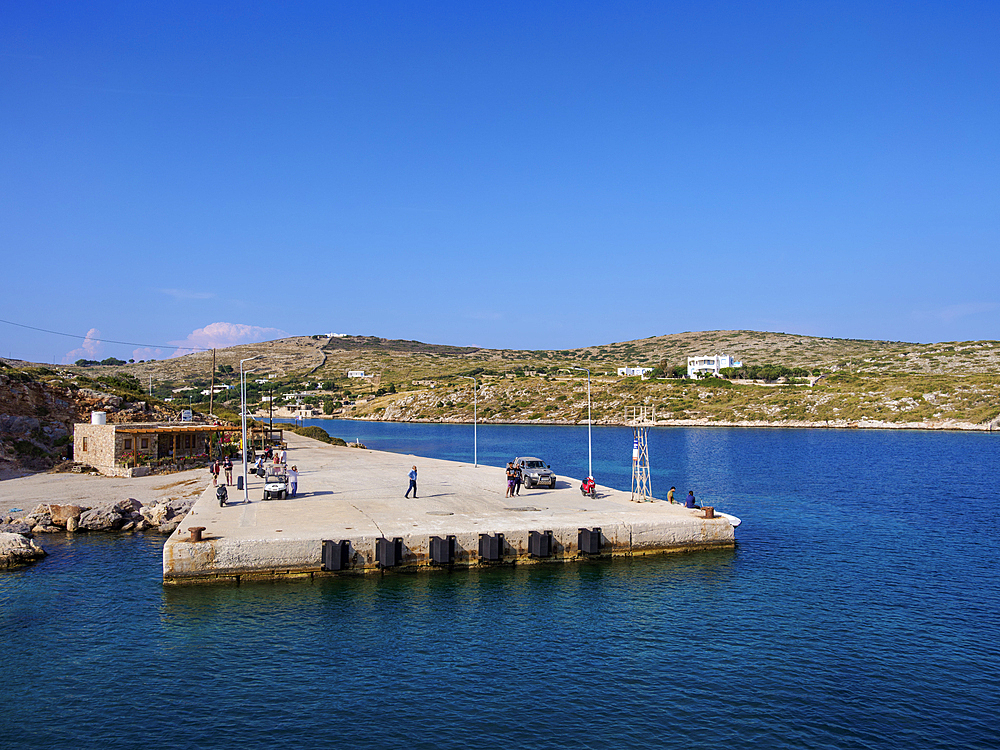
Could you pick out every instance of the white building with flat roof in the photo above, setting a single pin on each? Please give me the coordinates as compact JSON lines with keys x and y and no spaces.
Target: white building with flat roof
{"x":698,"y":365}
{"x":355,"y":373}
{"x":631,"y":372}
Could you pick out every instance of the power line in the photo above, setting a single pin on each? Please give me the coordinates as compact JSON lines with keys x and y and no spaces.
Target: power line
{"x":104,"y":340}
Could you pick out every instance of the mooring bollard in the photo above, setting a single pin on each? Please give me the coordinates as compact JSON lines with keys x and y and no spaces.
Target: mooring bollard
{"x":709,"y":511}
{"x":195,"y":533}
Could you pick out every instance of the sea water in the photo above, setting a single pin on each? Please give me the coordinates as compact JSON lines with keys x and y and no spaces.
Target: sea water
{"x":858,"y":610}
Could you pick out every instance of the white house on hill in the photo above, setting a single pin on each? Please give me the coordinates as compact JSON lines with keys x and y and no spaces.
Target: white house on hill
{"x":698,"y":365}
{"x":629,"y":372}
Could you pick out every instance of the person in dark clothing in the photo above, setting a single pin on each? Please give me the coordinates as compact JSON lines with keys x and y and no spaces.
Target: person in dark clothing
{"x":518,"y":477}
{"x":413,"y":483}
{"x":690,"y":502}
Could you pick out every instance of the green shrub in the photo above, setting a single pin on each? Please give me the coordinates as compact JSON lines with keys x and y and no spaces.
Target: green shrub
{"x":316,"y":433}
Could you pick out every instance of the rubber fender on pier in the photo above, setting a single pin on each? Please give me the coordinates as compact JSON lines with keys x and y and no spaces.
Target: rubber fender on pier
{"x":443,"y":550}
{"x":540,"y":543}
{"x":389,"y":554}
{"x":589,"y":541}
{"x":490,"y":547}
{"x":336,"y":555}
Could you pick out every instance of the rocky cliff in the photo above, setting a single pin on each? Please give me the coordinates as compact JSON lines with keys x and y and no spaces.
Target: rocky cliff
{"x":38,"y":408}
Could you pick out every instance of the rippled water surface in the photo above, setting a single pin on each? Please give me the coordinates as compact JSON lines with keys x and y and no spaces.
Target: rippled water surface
{"x":859,"y":610}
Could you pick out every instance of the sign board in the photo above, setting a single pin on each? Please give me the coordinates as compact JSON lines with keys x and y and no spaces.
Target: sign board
{"x":187,"y":415}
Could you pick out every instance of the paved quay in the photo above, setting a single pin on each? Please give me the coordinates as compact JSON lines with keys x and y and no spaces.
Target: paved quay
{"x":356,"y":495}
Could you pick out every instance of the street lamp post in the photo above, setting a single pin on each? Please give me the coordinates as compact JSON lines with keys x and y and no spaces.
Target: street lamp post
{"x":475,"y":420}
{"x":590,"y":451}
{"x":243,"y":416}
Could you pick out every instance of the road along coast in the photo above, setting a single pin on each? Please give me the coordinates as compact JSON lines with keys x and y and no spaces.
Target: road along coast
{"x":353,"y":500}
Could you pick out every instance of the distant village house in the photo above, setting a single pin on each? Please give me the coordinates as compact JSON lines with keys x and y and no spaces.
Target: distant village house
{"x":710,"y":365}
{"x":631,"y":372}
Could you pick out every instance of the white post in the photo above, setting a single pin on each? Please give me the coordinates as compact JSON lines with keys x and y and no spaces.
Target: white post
{"x":243,"y":417}
{"x":590,"y":448}
{"x":475,"y":420}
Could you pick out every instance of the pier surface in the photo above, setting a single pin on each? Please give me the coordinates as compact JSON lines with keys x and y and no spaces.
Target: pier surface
{"x":356,"y":495}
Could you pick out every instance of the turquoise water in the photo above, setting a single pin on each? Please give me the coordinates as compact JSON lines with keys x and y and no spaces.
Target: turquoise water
{"x":859,"y":610}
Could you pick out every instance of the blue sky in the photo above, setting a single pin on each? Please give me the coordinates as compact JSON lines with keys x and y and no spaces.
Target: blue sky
{"x":524,"y":175}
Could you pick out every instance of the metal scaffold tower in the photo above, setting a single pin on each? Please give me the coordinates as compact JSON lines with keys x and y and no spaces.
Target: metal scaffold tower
{"x":641,"y":491}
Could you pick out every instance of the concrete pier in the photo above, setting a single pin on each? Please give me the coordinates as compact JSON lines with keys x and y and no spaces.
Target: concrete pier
{"x":356,"y":496}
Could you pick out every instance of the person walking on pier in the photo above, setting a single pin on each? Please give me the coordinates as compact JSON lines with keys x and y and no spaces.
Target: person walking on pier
{"x":228,"y":466}
{"x":215,"y":472}
{"x":510,"y":479}
{"x":293,"y":479}
{"x":413,"y":483}
{"x":518,"y":478}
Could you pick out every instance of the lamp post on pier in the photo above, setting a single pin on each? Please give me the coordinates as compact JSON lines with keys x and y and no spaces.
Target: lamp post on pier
{"x":590,"y":452}
{"x":475,"y":419}
{"x":243,"y":416}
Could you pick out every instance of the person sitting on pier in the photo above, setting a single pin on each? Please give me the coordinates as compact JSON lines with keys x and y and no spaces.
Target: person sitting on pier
{"x":670,"y":496}
{"x":690,"y":501}
{"x":589,"y":487}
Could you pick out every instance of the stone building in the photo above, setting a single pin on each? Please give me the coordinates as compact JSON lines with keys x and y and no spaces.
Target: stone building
{"x":117,"y":449}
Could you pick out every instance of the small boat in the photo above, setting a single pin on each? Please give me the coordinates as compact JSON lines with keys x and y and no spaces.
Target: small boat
{"x":731,"y":518}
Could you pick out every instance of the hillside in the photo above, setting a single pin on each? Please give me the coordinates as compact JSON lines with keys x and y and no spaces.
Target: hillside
{"x":322,"y":357}
{"x":850,"y":381}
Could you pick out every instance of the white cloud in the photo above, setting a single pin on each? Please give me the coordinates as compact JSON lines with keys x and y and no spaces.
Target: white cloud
{"x":221,"y":335}
{"x":90,"y":349}
{"x":147,"y":353}
{"x":187,"y":294}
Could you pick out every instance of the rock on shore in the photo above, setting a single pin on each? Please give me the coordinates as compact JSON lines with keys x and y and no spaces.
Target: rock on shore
{"x":17,"y":549}
{"x":18,"y":546}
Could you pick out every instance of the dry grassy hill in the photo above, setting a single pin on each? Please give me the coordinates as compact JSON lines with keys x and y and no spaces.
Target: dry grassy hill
{"x":398,"y":360}
{"x":931,"y":385}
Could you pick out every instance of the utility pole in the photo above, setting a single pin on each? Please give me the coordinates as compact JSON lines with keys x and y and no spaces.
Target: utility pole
{"x":475,"y":420}
{"x":590,"y":421}
{"x":211,"y":393}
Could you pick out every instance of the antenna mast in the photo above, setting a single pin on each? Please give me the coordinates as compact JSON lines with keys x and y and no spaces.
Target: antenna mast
{"x":641,"y":490}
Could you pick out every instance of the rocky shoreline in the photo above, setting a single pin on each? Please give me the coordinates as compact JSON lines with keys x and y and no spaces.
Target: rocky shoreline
{"x":840,"y":424}
{"x":18,"y":533}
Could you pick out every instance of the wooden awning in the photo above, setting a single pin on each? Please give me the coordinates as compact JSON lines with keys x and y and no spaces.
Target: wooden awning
{"x":180,"y":428}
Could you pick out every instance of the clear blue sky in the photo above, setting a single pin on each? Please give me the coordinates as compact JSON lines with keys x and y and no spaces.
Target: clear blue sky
{"x":526,"y":175}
